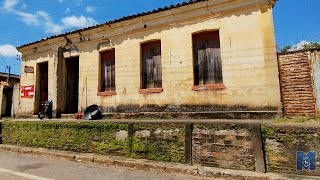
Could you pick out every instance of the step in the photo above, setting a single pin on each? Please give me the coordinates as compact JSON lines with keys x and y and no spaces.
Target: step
{"x":194,"y":115}
{"x":176,"y":115}
{"x":68,"y":116}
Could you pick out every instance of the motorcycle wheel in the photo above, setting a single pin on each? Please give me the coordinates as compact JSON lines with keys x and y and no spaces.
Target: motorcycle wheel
{"x":41,"y":115}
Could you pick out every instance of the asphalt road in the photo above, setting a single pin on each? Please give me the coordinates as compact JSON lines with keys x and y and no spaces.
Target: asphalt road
{"x":14,"y":166}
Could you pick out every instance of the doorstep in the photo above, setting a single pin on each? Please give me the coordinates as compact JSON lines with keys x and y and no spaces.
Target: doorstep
{"x":143,"y":164}
{"x":68,"y":116}
{"x":258,"y":115}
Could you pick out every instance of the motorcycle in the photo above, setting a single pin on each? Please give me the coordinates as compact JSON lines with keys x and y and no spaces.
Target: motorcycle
{"x":46,"y":110}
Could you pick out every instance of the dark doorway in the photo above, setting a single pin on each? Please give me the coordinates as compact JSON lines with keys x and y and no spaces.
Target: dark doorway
{"x":43,"y":84}
{"x":6,"y":102}
{"x":72,"y":85}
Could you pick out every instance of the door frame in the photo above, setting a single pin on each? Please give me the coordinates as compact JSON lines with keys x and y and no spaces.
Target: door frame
{"x":37,"y":100}
{"x":65,"y":81}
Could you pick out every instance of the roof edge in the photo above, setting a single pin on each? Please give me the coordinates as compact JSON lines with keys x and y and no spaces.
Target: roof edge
{"x":125,"y":18}
{"x":129,"y":17}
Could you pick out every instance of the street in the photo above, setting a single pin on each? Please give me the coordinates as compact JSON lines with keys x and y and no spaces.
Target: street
{"x":14,"y":166}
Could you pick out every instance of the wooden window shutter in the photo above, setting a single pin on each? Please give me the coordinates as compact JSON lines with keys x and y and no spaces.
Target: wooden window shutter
{"x":207,"y":58}
{"x":151,"y":65}
{"x":107,"y":78}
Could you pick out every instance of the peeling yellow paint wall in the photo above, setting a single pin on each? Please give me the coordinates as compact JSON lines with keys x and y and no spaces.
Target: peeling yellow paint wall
{"x":248,"y":51}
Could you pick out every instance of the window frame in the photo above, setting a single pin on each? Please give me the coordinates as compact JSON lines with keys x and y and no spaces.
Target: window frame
{"x":143,"y":90}
{"x":106,"y":92}
{"x":209,"y":86}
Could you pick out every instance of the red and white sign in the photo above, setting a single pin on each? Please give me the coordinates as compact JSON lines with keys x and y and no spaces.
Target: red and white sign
{"x":28,"y":69}
{"x":27,"y":91}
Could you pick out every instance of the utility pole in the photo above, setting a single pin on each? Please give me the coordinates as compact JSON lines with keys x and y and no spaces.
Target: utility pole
{"x":9,"y":69}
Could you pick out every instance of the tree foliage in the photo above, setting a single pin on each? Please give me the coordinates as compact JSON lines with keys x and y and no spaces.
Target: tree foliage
{"x":312,"y":45}
{"x":306,"y":46}
{"x":286,"y":49}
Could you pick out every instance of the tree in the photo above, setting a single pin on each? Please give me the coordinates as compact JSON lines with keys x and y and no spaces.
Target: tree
{"x":311,"y":45}
{"x":303,"y":45}
{"x":285,"y":49}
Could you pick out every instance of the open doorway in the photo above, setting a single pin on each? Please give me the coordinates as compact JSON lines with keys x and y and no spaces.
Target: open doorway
{"x":71,"y":85}
{"x":6,"y":101}
{"x":42,"y":86}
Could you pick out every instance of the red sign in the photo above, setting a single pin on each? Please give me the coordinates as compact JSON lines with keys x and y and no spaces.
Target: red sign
{"x":28,"y":69}
{"x":27,"y":91}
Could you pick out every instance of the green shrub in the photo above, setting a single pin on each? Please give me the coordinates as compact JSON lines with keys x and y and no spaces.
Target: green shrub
{"x":86,"y":137}
{"x":297,"y":119}
{"x":95,"y":137}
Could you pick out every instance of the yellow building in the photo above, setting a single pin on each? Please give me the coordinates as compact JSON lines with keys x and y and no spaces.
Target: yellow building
{"x":195,"y":56}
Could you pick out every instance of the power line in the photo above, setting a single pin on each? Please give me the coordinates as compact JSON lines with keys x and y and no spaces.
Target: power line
{"x":3,"y":59}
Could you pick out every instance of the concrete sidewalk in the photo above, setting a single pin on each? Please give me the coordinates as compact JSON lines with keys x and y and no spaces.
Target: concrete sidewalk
{"x":142,"y":164}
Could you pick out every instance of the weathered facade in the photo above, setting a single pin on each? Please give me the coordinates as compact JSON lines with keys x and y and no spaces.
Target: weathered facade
{"x":11,"y":81}
{"x":300,"y":82}
{"x":6,"y":93}
{"x":195,"y":56}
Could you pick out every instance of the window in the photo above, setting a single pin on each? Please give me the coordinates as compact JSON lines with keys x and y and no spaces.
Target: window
{"x":207,"y":61}
{"x":107,"y":73}
{"x":151,"y":80}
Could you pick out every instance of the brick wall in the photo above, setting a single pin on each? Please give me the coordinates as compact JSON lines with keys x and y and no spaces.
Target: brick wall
{"x":227,"y":146}
{"x":162,"y":142}
{"x":282,"y":143}
{"x":296,"y":84}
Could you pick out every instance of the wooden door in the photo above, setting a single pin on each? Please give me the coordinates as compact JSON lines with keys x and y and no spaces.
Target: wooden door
{"x":72,"y":85}
{"x":43,"y":84}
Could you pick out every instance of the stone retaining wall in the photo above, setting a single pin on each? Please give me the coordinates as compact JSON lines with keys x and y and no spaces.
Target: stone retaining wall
{"x":282,"y":143}
{"x":161,"y":142}
{"x":224,"y":144}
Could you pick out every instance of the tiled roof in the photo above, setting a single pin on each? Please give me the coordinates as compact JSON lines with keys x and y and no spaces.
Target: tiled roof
{"x":116,"y":20}
{"x":11,"y":75}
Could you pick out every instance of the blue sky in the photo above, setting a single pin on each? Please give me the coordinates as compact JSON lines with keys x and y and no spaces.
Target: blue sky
{"x":24,"y":21}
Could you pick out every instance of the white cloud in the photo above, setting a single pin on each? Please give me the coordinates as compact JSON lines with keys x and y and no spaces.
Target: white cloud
{"x":50,"y":27}
{"x":9,"y":5}
{"x":40,"y":18}
{"x":43,"y":19}
{"x":90,"y":9}
{"x":54,"y":28}
{"x":302,"y":45}
{"x":299,"y":46}
{"x":29,"y":19}
{"x":8,"y":50}
{"x":79,"y":22}
{"x":67,"y":10}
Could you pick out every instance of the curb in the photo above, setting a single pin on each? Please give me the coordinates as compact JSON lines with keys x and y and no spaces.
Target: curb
{"x":163,"y":167}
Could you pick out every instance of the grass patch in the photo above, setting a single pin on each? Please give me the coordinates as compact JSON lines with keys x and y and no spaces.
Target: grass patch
{"x":84,"y":137}
{"x":297,"y":119}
